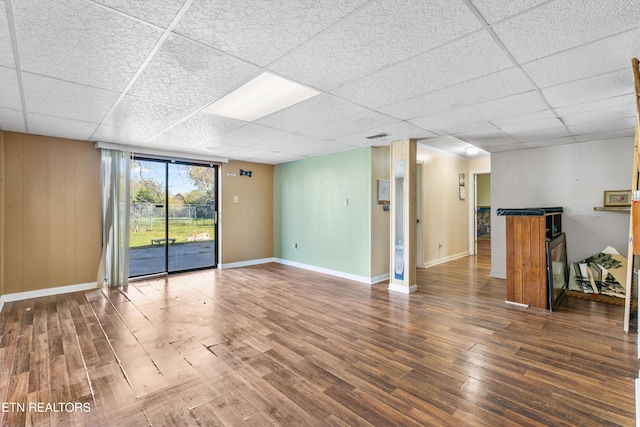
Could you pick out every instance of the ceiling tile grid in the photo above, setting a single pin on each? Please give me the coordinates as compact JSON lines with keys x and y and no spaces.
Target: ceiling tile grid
{"x":82,"y":42}
{"x":260,"y":35}
{"x":9,"y":89}
{"x":6,"y":48}
{"x":42,"y":95}
{"x":600,"y":57}
{"x":498,"y":74}
{"x":564,"y":24}
{"x":188,"y":74}
{"x":11,"y":120}
{"x":483,"y":89}
{"x":428,"y":72}
{"x":380,"y":34}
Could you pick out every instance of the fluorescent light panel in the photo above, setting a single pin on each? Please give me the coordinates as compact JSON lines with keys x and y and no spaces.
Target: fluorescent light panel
{"x":260,"y":97}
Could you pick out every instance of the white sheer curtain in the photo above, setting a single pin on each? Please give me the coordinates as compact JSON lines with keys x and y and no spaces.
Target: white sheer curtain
{"x":114,"y":266}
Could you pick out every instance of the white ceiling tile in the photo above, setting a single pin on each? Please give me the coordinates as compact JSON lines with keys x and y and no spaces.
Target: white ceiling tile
{"x":598,"y":126}
{"x":139,"y":120}
{"x":260,"y":32}
{"x":590,"y":118}
{"x":380,"y":34}
{"x":156,"y":12}
{"x":527,"y":122}
{"x":11,"y":120}
{"x":81,"y":41}
{"x":328,"y":147}
{"x":197,"y":129}
{"x":591,"y":89}
{"x":395,"y":132}
{"x":247,"y":135}
{"x":541,"y":134}
{"x":441,"y":67}
{"x":497,"y":85}
{"x":290,"y":143}
{"x":548,"y":142}
{"x":354,"y":124}
{"x":9,"y":89}
{"x":278,"y":158}
{"x":603,"y":56}
{"x":43,"y":94}
{"x":319,"y":109}
{"x":496,"y":10}
{"x":529,"y":126}
{"x":59,"y":127}
{"x":613,"y":134}
{"x":624,"y":104}
{"x":453,"y":120}
{"x":188,"y":74}
{"x":6,"y":48}
{"x":563,"y":24}
{"x":498,"y":144}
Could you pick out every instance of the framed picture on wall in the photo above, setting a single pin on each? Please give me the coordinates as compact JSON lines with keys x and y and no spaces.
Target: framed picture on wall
{"x":617,"y":198}
{"x":384,"y":193}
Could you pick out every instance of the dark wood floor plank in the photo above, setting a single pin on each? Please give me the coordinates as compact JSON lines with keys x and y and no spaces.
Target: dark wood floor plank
{"x":276,"y":345}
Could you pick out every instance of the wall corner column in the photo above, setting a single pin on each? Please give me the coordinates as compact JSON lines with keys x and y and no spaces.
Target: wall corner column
{"x":402,"y":277}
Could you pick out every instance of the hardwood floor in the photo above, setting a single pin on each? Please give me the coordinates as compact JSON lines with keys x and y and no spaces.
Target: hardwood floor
{"x":276,"y":345}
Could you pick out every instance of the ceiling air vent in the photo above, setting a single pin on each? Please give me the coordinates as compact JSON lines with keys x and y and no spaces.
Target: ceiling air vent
{"x":380,"y":135}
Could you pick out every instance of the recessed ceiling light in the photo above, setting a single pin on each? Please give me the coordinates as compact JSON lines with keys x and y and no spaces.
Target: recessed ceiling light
{"x":471,"y":150}
{"x":260,"y":97}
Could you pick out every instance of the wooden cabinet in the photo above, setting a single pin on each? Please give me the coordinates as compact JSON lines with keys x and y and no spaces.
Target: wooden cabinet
{"x":527,"y":233}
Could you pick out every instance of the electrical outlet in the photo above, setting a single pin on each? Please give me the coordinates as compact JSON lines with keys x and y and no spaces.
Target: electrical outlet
{"x":235,"y":199}
{"x":294,"y":245}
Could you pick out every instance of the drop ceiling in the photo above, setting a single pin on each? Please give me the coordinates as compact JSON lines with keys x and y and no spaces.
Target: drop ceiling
{"x":497,"y":74}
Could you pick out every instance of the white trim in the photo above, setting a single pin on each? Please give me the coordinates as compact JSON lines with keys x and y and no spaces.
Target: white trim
{"x":517,"y":304}
{"x":498,"y":274}
{"x":473,"y":205}
{"x":341,"y":274}
{"x":402,"y":289}
{"x":446,"y":259}
{"x":179,"y":155}
{"x":246,"y":263}
{"x":18,"y":296}
{"x":381,"y":278}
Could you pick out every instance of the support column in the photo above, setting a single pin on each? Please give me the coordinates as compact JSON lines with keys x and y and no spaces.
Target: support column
{"x":403,"y":216}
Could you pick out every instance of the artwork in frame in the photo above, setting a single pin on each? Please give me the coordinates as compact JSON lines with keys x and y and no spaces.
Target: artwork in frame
{"x":384,"y":193}
{"x":620,"y":198}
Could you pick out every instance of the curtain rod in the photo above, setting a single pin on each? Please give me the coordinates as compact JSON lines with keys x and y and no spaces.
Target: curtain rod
{"x":165,"y":154}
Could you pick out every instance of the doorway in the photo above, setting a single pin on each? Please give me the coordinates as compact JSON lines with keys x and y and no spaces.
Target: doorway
{"x":482,"y":213}
{"x":173,"y":216}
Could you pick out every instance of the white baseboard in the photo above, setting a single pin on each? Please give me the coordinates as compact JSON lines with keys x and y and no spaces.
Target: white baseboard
{"x":247,"y":263}
{"x":498,"y":274}
{"x":336,"y":273}
{"x":403,"y":289}
{"x":517,"y":304}
{"x":446,"y":259}
{"x":381,"y":278}
{"x":18,"y":296}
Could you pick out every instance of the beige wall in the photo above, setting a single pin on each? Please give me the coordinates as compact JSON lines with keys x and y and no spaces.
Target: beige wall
{"x":247,"y":226}
{"x":51,"y":224}
{"x":380,"y":219}
{"x":444,"y":215}
{"x":484,"y":189}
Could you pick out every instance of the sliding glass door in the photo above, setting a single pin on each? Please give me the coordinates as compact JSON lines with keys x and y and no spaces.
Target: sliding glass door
{"x":173,"y":217}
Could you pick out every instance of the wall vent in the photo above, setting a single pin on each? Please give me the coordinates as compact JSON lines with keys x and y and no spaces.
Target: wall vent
{"x":380,"y":135}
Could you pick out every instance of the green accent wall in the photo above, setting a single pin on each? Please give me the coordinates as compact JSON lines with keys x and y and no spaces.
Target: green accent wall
{"x":310,"y":211}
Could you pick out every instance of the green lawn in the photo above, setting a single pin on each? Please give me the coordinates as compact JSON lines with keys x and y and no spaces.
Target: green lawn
{"x":179,"y":228}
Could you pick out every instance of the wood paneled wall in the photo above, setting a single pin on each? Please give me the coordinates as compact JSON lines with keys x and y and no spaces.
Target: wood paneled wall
{"x":51,"y":224}
{"x":247,"y":226}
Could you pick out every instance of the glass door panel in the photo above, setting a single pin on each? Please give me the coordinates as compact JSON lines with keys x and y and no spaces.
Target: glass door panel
{"x":147,"y":236}
{"x":191,"y":216}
